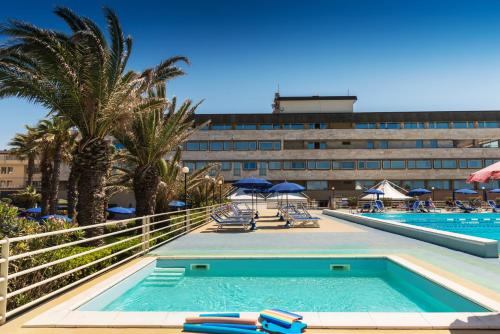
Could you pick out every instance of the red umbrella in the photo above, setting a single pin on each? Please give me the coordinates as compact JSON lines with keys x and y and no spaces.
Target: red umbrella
{"x":492,"y":172}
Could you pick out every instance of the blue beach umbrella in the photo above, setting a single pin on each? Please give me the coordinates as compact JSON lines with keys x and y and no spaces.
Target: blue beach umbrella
{"x":374,"y":192}
{"x":495,"y":191}
{"x":466,"y":191}
{"x":121,"y":210}
{"x":177,"y":204}
{"x":418,"y":192}
{"x":65,"y":218}
{"x":287,"y":188}
{"x":34,"y":210}
{"x":253,"y":183}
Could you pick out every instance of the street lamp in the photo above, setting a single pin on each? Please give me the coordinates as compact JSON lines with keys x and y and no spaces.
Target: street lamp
{"x":185,"y":171}
{"x":485,"y":198}
{"x":207,"y":179}
{"x":333,"y":198}
{"x":220,"y":182}
{"x":432,"y":188}
{"x":213,"y":189}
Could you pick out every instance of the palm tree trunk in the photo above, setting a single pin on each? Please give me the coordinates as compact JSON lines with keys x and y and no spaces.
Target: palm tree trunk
{"x":72,"y":191}
{"x":93,"y":161}
{"x":46,"y":170}
{"x":56,"y":173}
{"x":30,"y":169}
{"x":146,"y":183}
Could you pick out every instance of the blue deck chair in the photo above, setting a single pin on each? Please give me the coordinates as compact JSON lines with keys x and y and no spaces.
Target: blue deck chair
{"x":494,"y":207}
{"x":365,"y":208}
{"x":379,"y":206}
{"x":466,"y":209}
{"x":429,"y":206}
{"x":415,"y":207}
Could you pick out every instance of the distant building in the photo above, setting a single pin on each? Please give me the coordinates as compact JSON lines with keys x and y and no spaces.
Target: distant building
{"x":13,"y":173}
{"x":320,"y":142}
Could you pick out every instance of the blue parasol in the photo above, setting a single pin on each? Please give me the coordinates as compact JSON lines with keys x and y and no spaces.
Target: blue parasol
{"x":374,"y":192}
{"x":34,"y":210}
{"x":418,"y":192}
{"x":65,"y":218}
{"x":177,"y":204}
{"x":121,"y":210}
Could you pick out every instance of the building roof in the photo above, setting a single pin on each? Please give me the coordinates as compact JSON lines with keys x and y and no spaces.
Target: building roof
{"x":315,"y":98}
{"x":351,"y":117}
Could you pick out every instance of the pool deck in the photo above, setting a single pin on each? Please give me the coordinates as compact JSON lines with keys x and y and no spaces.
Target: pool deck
{"x":335,"y":237}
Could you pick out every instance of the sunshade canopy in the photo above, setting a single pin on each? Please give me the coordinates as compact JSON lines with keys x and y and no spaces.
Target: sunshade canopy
{"x":121,"y":210}
{"x":418,"y":192}
{"x":465,"y":191}
{"x":492,"y":172}
{"x":287,"y":188}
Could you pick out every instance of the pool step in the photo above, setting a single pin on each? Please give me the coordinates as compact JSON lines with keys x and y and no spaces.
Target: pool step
{"x":164,"y":277}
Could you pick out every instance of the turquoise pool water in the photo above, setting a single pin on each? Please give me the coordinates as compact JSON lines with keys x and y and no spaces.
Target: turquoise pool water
{"x":484,"y":225}
{"x":298,"y":284}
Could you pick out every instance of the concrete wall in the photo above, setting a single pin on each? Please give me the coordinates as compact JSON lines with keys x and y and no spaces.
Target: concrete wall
{"x":472,"y":245}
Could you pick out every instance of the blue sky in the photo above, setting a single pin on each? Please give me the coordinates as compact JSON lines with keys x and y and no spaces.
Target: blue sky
{"x":395,"y":55}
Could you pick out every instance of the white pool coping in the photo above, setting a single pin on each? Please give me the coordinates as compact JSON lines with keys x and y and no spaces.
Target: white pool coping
{"x":483,"y":247}
{"x":67,"y":315}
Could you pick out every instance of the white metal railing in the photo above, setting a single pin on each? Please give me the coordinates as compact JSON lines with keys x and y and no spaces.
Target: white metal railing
{"x":145,"y":235}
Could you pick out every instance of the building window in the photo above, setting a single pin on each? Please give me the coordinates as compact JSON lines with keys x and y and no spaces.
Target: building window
{"x":414,"y":125}
{"x":370,"y":145}
{"x":364,"y":184}
{"x":383,"y":144}
{"x":228,"y":145}
{"x":393,"y":164}
{"x":488,"y":162}
{"x":269,"y":145}
{"x":369,"y":164}
{"x":316,"y":145}
{"x":491,"y":144}
{"x":197,"y":146}
{"x":463,"y":125}
{"x":294,"y":164}
{"x":419,"y":164}
{"x":246,"y":126}
{"x":225,"y":165}
{"x":365,"y":125}
{"x":460,"y":184}
{"x":293,"y":126}
{"x":203,"y":128}
{"x":390,"y":125}
{"x":7,"y":170}
{"x":318,"y":164}
{"x":445,"y":164}
{"x":439,"y":125}
{"x":237,"y":168}
{"x":200,"y":164}
{"x":274,"y":165}
{"x":216,"y":146}
{"x":190,"y":165}
{"x":249,"y":165}
{"x":317,"y":185}
{"x":262,"y":168}
{"x":483,"y":124}
{"x":439,"y":184}
{"x":269,"y":126}
{"x":344,"y":164}
{"x":471,"y":163}
{"x":412,"y":184}
{"x":245,"y":145}
{"x":221,"y":127}
{"x":317,"y":125}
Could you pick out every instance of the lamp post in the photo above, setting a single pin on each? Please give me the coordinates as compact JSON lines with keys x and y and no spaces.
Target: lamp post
{"x":432,"y":188}
{"x":185,"y":171}
{"x":485,"y":196}
{"x":220,"y":182}
{"x":333,"y":198}
{"x":214,"y":181}
{"x":207,"y":179}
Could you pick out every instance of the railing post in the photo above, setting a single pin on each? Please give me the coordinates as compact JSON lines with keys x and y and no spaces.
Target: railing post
{"x":4,"y":276}
{"x":145,"y":233}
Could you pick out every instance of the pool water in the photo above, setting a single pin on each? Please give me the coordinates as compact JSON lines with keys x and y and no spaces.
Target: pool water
{"x":484,"y":225}
{"x":298,"y":284}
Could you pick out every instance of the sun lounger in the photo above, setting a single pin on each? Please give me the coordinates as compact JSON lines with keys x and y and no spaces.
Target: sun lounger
{"x":467,"y":209}
{"x":366,"y":208}
{"x":221,"y":222}
{"x":416,"y":207}
{"x":379,"y":206}
{"x":429,"y":206}
{"x":494,"y":207}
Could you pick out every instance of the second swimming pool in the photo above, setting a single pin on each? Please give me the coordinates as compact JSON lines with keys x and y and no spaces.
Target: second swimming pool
{"x":298,"y":284}
{"x":484,"y":225}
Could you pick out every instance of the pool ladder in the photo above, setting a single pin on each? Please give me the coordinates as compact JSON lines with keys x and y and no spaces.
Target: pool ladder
{"x":165,"y":277}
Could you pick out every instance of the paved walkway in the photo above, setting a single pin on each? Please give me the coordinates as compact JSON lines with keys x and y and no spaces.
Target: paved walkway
{"x":336,"y":236}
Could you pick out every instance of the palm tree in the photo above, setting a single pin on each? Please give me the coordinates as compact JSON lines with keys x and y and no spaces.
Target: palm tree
{"x":27,"y":197}
{"x":83,"y":78}
{"x":150,"y":136}
{"x":24,"y":147}
{"x":57,"y":135}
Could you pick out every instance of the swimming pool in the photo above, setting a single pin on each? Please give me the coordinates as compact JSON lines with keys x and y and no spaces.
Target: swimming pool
{"x":484,"y":225}
{"x":299,"y":284}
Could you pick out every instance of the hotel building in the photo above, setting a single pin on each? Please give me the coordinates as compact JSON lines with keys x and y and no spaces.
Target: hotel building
{"x":321,"y":143}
